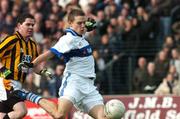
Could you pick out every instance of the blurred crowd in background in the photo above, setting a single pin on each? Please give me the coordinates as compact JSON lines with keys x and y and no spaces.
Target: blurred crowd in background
{"x":136,"y":43}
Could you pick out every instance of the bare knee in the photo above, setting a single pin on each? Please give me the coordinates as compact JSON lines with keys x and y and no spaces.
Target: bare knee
{"x":59,"y":116}
{"x":21,"y":113}
{"x":97,"y":112}
{"x":17,"y":114}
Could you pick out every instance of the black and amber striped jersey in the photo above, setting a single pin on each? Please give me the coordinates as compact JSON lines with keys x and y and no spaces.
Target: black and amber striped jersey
{"x":15,"y":49}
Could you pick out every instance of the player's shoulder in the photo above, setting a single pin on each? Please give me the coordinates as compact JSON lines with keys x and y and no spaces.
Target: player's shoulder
{"x":8,"y":38}
{"x":32,"y":40}
{"x":66,"y":39}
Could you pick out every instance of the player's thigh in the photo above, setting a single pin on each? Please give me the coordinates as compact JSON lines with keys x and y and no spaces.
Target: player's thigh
{"x":64,"y":106}
{"x":97,"y":112}
{"x":91,"y":100}
{"x":70,"y":88}
{"x":20,"y":108}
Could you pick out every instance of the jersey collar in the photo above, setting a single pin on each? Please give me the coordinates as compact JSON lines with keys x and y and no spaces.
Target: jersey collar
{"x":69,"y":30}
{"x":20,"y":36}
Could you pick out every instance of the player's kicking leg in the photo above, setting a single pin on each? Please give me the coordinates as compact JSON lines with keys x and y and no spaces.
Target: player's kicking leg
{"x":57,"y":111}
{"x":46,"y":104}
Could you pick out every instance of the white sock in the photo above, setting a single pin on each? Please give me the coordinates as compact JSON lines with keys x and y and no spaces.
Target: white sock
{"x":33,"y":98}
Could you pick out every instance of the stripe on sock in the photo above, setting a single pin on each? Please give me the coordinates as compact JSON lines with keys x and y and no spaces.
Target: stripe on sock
{"x":33,"y":98}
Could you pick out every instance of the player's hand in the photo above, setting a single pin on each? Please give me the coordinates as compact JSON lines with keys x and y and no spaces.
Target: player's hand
{"x":5,"y":73}
{"x":90,"y":24}
{"x":25,"y":66}
{"x":46,"y":73}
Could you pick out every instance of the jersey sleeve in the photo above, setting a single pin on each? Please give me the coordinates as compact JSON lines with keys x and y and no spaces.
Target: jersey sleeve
{"x":64,"y":45}
{"x":6,"y":45}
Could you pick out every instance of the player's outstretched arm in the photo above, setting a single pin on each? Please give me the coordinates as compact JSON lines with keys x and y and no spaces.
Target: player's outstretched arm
{"x":43,"y":57}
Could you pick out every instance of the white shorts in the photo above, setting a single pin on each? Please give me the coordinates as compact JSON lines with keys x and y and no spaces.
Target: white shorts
{"x":8,"y":85}
{"x":80,"y":91}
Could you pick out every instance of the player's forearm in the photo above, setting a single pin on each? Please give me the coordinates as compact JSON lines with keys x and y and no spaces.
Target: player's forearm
{"x":43,"y":57}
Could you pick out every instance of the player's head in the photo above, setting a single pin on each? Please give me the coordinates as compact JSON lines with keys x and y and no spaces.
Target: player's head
{"x":76,"y":20}
{"x":25,"y":24}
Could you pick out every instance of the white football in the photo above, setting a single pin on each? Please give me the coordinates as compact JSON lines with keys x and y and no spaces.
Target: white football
{"x":114,"y":109}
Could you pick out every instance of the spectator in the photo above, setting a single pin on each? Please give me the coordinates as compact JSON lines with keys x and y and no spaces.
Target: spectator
{"x":168,"y":86}
{"x":176,"y":29}
{"x":40,"y":20}
{"x":120,"y":26}
{"x":130,"y":39}
{"x":150,"y":82}
{"x":9,"y":24}
{"x":50,"y":27}
{"x":16,"y":10}
{"x":125,"y":13}
{"x":101,"y":22}
{"x":162,"y":8}
{"x":88,"y":9}
{"x":114,"y":38}
{"x":5,"y":7}
{"x":32,"y":9}
{"x":139,"y":75}
{"x":38,"y":35}
{"x":169,"y":42}
{"x":173,"y":71}
{"x":106,"y":48}
{"x":146,"y":34}
{"x":111,"y":11}
{"x":175,"y":61}
{"x":167,"y":51}
{"x":58,"y":11}
{"x":162,"y":65}
{"x":40,"y":6}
